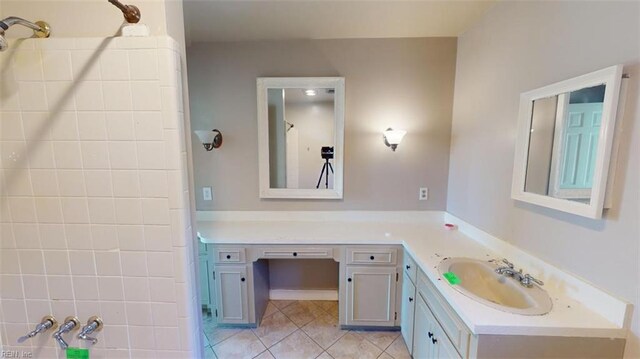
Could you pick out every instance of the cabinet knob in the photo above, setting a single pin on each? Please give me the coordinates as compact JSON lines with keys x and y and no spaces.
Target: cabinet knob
{"x":372,"y":257}
{"x":242,"y":279}
{"x":410,"y":299}
{"x":434,"y":340}
{"x":348,"y":279}
{"x":408,"y":266}
{"x":430,"y":334}
{"x":295,"y":254}
{"x":228,"y":256}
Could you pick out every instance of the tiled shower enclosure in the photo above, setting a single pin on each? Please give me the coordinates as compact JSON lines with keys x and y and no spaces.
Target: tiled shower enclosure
{"x":94,"y":199}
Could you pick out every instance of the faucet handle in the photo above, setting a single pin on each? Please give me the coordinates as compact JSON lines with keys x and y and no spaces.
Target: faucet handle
{"x":509,"y":264}
{"x":528,"y":281}
{"x":69,"y":324}
{"x":47,"y":322}
{"x":94,"y":324}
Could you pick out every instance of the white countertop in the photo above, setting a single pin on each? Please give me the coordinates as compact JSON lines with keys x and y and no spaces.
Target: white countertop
{"x":428,"y":242}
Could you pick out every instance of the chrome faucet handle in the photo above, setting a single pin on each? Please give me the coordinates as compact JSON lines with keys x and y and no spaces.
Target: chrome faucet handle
{"x":69,"y":324}
{"x":509,"y":264}
{"x":528,"y":281}
{"x":94,"y":324}
{"x":46,"y":323}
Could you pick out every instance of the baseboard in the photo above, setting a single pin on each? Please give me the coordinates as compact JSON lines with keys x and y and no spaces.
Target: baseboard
{"x":300,"y":294}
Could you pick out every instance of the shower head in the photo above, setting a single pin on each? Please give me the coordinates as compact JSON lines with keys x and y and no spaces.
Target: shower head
{"x":40,"y":29}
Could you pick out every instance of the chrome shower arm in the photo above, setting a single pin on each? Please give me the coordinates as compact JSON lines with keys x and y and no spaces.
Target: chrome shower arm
{"x":12,"y":20}
{"x":40,"y":28}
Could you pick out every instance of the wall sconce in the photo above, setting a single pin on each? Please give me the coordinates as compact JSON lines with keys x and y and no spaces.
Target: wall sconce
{"x":392,"y":138}
{"x":210,"y":139}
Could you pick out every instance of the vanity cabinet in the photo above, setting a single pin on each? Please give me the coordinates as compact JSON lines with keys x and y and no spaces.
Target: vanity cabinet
{"x":231,"y":294}
{"x":231,"y":282}
{"x":204,"y":273}
{"x":371,"y":287}
{"x":371,"y":296}
{"x":408,"y":302}
{"x":439,"y":333}
{"x":408,"y":311}
{"x":430,"y":341}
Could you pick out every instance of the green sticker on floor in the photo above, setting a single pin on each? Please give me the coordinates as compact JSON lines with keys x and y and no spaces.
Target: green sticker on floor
{"x":77,"y":353}
{"x":451,"y":277}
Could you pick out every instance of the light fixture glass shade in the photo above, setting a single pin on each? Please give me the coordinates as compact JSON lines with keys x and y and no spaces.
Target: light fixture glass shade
{"x":394,"y":137}
{"x":205,"y":136}
{"x":210,"y":139}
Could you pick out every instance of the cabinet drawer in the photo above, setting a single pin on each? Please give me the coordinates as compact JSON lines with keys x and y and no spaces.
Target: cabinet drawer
{"x":229,"y":255}
{"x":370,"y":255}
{"x":453,"y":326}
{"x":296,"y":252}
{"x":410,"y":267}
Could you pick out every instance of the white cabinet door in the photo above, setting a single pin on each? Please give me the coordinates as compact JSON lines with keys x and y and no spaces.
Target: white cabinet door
{"x":231,"y":294}
{"x":423,"y":331}
{"x":407,"y":310}
{"x":429,"y":339}
{"x":205,"y":291}
{"x":443,"y":348}
{"x":371,"y":296}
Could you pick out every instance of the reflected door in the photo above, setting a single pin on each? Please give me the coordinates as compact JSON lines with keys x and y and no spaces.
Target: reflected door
{"x":580,"y":145}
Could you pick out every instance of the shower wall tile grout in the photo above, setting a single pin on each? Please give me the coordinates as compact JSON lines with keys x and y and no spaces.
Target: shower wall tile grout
{"x":94,"y":198}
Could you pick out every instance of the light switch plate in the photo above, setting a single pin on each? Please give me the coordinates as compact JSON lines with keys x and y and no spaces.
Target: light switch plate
{"x":423,"y":195}
{"x":207,"y":194}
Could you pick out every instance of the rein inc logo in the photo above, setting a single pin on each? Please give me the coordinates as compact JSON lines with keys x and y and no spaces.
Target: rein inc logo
{"x":15,"y":354}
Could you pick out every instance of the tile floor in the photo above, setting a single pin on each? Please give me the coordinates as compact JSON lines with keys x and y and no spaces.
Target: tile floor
{"x":300,"y":330}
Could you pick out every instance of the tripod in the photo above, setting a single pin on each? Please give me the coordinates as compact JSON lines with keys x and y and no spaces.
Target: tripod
{"x":325,"y":170}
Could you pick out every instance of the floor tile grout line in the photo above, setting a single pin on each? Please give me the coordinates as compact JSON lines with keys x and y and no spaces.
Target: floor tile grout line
{"x":276,"y":343}
{"x":321,"y":311}
{"x":229,"y":337}
{"x":262,"y":352}
{"x":333,"y":343}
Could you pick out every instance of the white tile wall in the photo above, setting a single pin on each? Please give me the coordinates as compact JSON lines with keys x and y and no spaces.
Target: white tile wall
{"x":93,"y":216}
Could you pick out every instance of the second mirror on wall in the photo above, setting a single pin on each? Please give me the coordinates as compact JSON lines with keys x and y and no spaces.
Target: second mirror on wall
{"x":565,"y":141}
{"x":300,"y":137}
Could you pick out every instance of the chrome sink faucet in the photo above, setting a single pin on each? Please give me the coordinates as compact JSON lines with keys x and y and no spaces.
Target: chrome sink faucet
{"x":509,"y":270}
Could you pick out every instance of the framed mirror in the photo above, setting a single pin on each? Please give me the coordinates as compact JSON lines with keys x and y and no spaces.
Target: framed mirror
{"x":301,"y":137}
{"x":565,"y":137}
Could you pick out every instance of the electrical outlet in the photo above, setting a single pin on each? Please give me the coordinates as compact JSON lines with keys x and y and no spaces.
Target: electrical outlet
{"x":423,"y":195}
{"x":207,"y":194}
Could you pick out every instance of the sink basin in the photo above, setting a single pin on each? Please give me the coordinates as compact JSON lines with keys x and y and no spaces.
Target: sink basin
{"x":479,"y":281}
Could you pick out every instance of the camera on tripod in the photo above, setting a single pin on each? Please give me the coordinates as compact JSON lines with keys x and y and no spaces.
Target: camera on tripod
{"x":326,"y":152}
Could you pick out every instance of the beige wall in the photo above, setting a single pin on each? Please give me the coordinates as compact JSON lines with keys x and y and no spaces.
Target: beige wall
{"x":402,"y":83}
{"x":314,"y":123}
{"x":303,"y":274}
{"x":500,"y":57}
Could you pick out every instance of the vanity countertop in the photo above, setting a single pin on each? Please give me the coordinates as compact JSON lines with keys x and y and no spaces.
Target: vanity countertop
{"x":425,"y":238}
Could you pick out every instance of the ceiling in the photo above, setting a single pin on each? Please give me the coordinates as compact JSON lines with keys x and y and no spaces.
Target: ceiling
{"x":239,"y":20}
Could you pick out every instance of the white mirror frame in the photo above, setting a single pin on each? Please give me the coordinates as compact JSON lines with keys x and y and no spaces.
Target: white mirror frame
{"x":612,"y":78}
{"x":266,"y":83}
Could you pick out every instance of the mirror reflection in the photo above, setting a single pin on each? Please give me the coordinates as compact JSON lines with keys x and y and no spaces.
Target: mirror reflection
{"x":563,"y":144}
{"x":301,"y":137}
